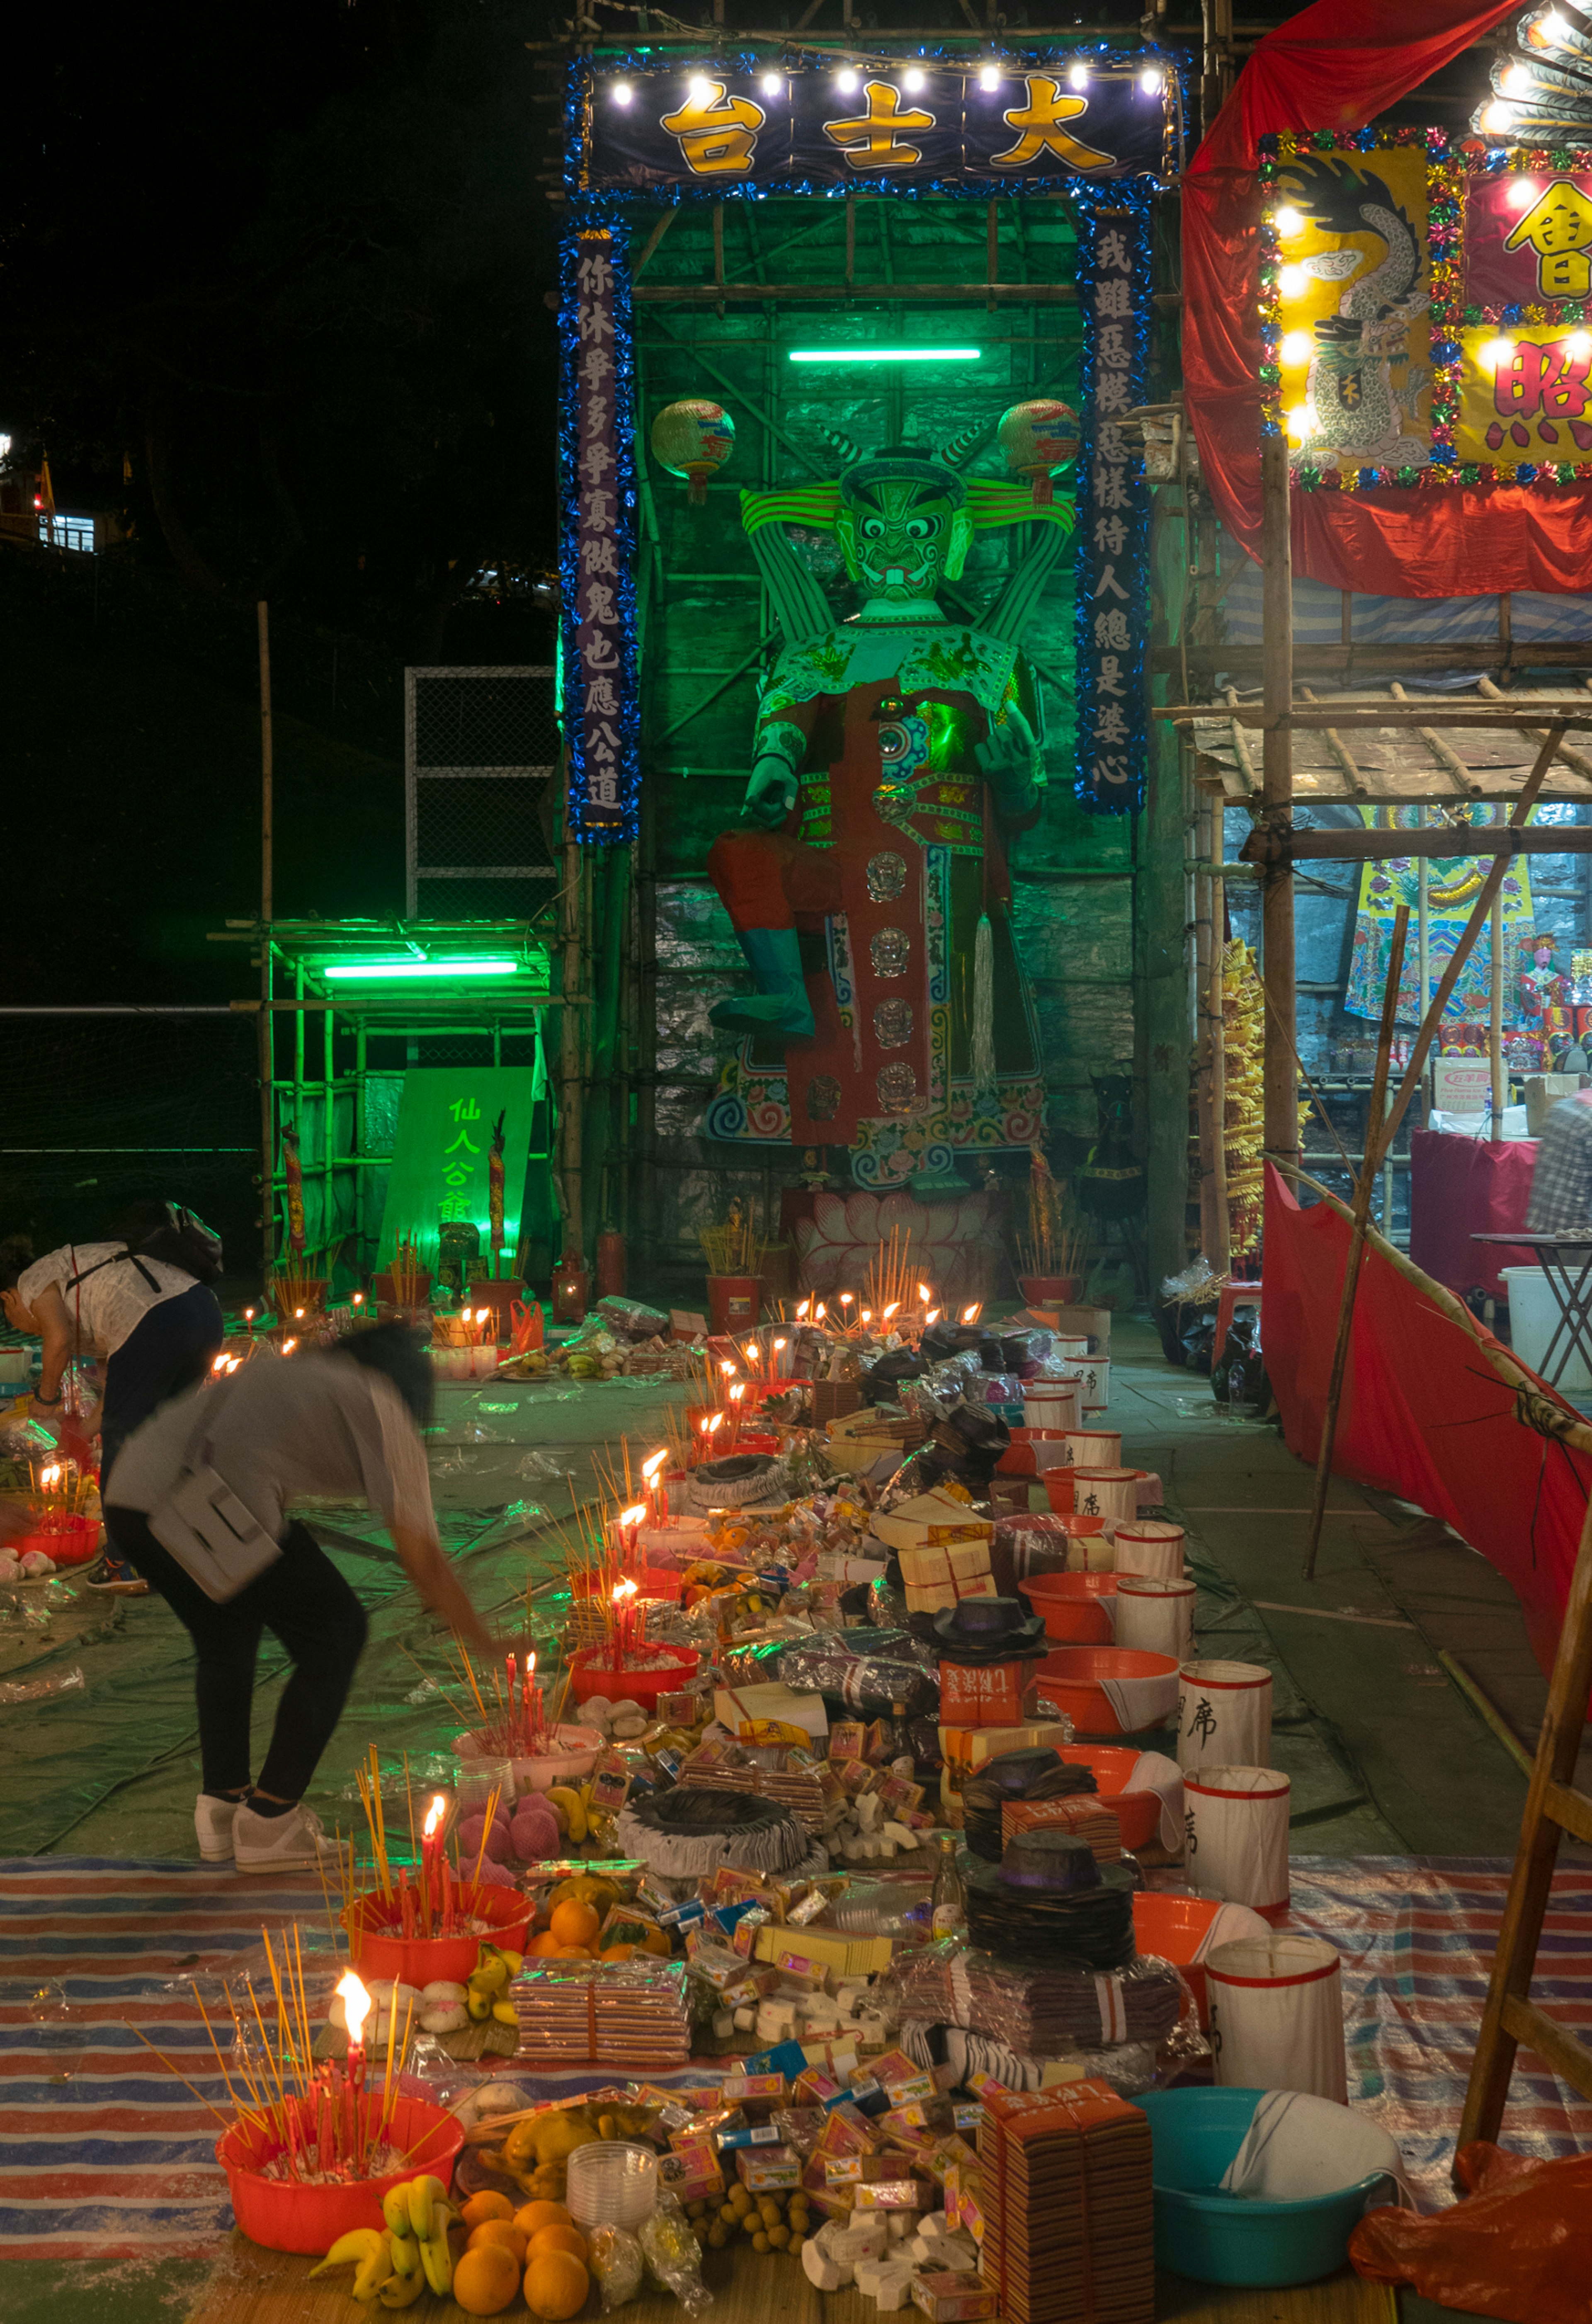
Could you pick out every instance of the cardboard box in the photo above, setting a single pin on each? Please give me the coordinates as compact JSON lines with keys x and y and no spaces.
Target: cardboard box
{"x":763,"y":2169}
{"x":969,"y":1559}
{"x":972,"y":1746}
{"x":946,"y":2298}
{"x":931,"y":1521}
{"x":936,"y":1598}
{"x":772,"y":1701}
{"x":926,"y":1569}
{"x":847,"y":1956}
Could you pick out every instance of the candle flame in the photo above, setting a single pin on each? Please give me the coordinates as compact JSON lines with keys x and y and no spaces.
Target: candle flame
{"x":845,"y":1298}
{"x":219,"y":1365}
{"x":529,"y":1666}
{"x":248,"y":1314}
{"x":357,"y":2005}
{"x":726,"y":1366}
{"x":358,"y":1299}
{"x":820,"y":1313}
{"x":708,"y":1426}
{"x":778,"y":1345}
{"x":925,"y":1294}
{"x":434,"y":1815}
{"x":623,"y":1589}
{"x":738,"y":1391}
{"x":51,"y":1476}
{"x":802,"y":1310}
{"x":933,"y":1316}
{"x":297,"y":1314}
{"x":970,"y":1314}
{"x":289,"y":1346}
{"x":890,"y":1310}
{"x":653,"y":1463}
{"x":634,"y":1517}
{"x":752,"y":1353}
{"x":867,"y":1314}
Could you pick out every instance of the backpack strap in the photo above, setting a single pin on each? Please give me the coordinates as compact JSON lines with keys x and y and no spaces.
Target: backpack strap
{"x":113,"y":1260}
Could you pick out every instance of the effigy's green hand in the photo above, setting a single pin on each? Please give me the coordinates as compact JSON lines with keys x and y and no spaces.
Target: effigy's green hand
{"x":769,"y":794}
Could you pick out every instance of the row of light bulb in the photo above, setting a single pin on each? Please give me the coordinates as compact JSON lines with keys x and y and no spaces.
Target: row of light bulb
{"x":848,"y":80}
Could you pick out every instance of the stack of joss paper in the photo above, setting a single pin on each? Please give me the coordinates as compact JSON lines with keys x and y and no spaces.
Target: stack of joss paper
{"x":1068,"y":2209}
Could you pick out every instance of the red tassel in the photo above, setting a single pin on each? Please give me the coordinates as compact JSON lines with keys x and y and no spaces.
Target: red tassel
{"x":697,"y":494}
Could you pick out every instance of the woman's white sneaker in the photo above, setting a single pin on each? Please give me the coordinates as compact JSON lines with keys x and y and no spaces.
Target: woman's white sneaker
{"x":213,"y":1818}
{"x":282,"y":1843}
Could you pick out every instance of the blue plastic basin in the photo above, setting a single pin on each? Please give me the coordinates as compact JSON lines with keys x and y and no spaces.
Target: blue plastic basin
{"x":1220,"y":2238}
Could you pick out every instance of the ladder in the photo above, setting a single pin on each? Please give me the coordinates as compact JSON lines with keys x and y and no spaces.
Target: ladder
{"x":1552,"y":1807}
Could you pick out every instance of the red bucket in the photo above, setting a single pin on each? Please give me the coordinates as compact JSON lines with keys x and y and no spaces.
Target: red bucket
{"x":592,"y":1674}
{"x":283,"y":2216}
{"x":1069,"y":1605}
{"x":1175,"y":1928}
{"x":422,"y":1960}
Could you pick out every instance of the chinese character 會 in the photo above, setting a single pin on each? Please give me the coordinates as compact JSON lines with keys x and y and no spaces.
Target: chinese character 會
{"x":1558,"y":227}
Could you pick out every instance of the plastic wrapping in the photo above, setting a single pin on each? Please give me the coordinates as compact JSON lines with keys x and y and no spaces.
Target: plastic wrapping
{"x":1129,"y":2067}
{"x":1038,"y":2011}
{"x":1518,"y":2245}
{"x":869,"y":1670}
{"x":616,"y":2259}
{"x":674,"y":2256}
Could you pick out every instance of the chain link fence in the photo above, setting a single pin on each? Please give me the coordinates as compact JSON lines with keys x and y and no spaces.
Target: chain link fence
{"x":481,"y":762}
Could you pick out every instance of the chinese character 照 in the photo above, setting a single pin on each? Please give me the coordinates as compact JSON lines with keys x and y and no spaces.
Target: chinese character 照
{"x":1544,"y":382}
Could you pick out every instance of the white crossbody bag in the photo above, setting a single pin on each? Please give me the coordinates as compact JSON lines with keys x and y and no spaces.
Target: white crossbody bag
{"x":205,"y":1526}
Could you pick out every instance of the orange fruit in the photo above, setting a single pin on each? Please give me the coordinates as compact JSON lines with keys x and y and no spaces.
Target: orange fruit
{"x":561,"y":2239}
{"x":486,"y":2280}
{"x":545,"y":1944}
{"x":574,"y":1921}
{"x":532,"y":2216}
{"x":570,"y":1952}
{"x":657,"y":1940}
{"x":487,"y":2204}
{"x":555,"y":2285}
{"x":619,"y":1952}
{"x":504,"y":2232}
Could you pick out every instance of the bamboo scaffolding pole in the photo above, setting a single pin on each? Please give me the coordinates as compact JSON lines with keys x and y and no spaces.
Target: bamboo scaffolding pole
{"x":1362,"y":1211}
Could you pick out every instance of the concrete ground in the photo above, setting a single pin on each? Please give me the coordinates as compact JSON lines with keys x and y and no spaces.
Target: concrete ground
{"x":1386,"y":1755}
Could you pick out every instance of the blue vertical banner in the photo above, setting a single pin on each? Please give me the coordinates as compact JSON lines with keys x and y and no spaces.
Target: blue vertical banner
{"x":598,"y":551}
{"x":1114,"y":286}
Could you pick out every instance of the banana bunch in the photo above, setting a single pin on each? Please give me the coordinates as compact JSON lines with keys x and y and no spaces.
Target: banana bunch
{"x":395,"y":2264}
{"x":487,"y":1993}
{"x":571,"y":1807}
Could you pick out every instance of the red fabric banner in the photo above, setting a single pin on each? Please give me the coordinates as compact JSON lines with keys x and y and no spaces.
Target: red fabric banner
{"x":1336,"y":66}
{"x":1423,"y":1413}
{"x":1466,"y":1186}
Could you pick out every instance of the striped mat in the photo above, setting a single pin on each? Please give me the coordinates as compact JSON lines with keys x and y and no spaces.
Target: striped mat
{"x":104,"y":2155}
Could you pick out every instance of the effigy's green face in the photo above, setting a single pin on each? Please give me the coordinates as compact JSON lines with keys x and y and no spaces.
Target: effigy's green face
{"x":900,"y":542}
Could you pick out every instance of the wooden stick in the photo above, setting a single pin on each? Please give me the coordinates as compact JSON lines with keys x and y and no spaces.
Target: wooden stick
{"x":1362,"y":1211}
{"x":187,"y":2085}
{"x":1495,"y":1019}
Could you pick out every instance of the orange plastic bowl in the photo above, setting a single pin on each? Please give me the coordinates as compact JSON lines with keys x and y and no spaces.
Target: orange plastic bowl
{"x":1137,"y":1813}
{"x":422,"y":1960}
{"x":283,"y":2216}
{"x":1069,"y":1604}
{"x":1072,"y":1680}
{"x":68,"y":1540}
{"x":1175,"y":1927}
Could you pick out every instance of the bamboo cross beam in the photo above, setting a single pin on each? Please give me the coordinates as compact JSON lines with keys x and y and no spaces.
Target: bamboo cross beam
{"x":1345,"y":716}
{"x":1271,"y":846}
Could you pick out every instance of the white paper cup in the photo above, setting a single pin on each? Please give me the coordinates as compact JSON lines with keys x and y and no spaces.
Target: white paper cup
{"x":1237,"y":1847}
{"x":1094,"y":1448}
{"x":1276,"y":2015}
{"x":1149,"y":1546}
{"x":1154,"y":1614}
{"x":1224,"y":1715}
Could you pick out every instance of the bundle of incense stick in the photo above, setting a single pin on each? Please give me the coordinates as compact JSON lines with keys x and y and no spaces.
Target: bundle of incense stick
{"x":1053,"y":1245}
{"x":309,"y":2123}
{"x":60,"y":1488}
{"x":731,"y":1249}
{"x":511,"y":1718}
{"x":430,"y":1898}
{"x":407,"y":1273}
{"x":891,"y":1277}
{"x":295,"y":1292}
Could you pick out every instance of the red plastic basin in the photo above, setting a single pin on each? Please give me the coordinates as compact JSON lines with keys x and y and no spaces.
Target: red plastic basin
{"x":68,"y":1540}
{"x":1137,"y":1813}
{"x":422,"y":1960}
{"x":1072,"y":1680}
{"x":593,"y":1674}
{"x":1069,"y":1604}
{"x":1175,"y":1927}
{"x":283,"y":2216}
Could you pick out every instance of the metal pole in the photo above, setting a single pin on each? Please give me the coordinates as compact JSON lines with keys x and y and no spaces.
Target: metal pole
{"x":1495,"y":1019}
{"x":1423,"y":953}
{"x":1281,"y":1126}
{"x":267,"y":1040}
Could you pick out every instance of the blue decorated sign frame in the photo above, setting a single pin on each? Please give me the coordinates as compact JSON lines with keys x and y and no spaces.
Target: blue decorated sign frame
{"x":600,"y":511}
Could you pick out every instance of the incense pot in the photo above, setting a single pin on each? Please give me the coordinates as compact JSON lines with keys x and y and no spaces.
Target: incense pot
{"x":573,"y":1755}
{"x":380,"y":1951}
{"x":287,"y":2215}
